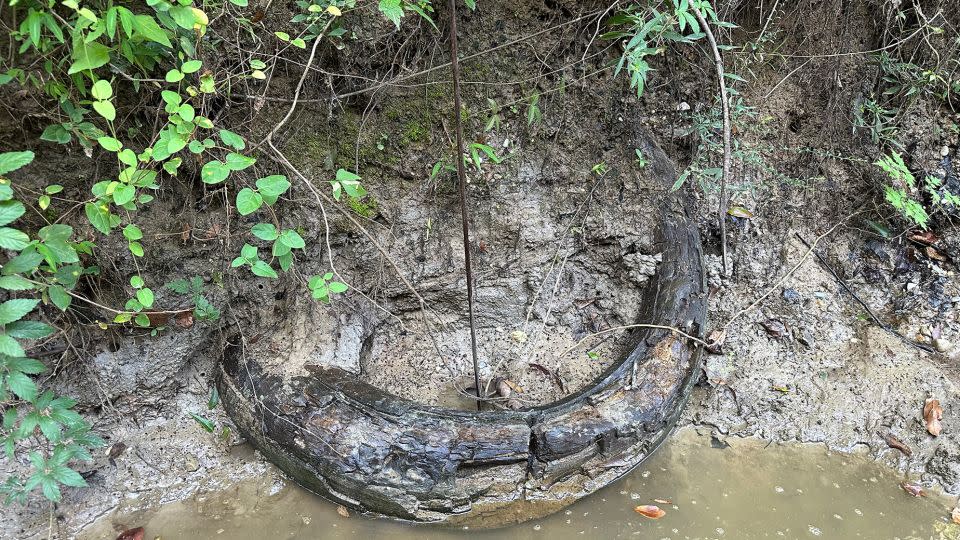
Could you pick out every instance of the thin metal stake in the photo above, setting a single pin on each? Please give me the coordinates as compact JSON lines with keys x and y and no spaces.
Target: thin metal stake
{"x":462,"y":177}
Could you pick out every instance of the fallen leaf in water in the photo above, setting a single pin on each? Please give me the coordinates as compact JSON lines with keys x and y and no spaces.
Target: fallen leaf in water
{"x":651,"y":511}
{"x":342,"y":510}
{"x":663,"y":501}
{"x":913,"y":489}
{"x":894,"y":442}
{"x":776,"y":328}
{"x":131,"y":534}
{"x":956,"y":515}
{"x":932,"y":415}
{"x":740,"y":212}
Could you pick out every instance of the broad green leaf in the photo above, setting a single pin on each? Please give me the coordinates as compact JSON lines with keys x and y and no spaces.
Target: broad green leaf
{"x":59,"y":297}
{"x":191,"y":66}
{"x":89,"y":56}
{"x":271,"y":187}
{"x":206,"y":424}
{"x":17,"y":382}
{"x":15,"y":283}
{"x":183,"y":16}
{"x":99,"y":217}
{"x":101,"y":90}
{"x":174,"y":75}
{"x":145,"y":297}
{"x":214,"y":172}
{"x":14,"y":310}
{"x":292,"y":239}
{"x":23,"y":263}
{"x":249,"y":252}
{"x":248,"y":201}
{"x":238,"y":162}
{"x":265,"y":231}
{"x":13,"y":239}
{"x":11,"y":161}
{"x":10,"y":211}
{"x":392,"y":9}
{"x":124,"y":194}
{"x":29,"y":329}
{"x":337,"y":287}
{"x":136,"y":248}
{"x":148,"y":28}
{"x":110,"y":144}
{"x":106,"y":110}
{"x":231,"y":139}
{"x":132,"y":232}
{"x":262,"y":269}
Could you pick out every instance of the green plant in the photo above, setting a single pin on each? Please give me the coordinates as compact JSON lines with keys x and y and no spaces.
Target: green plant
{"x":321,"y":287}
{"x":203,"y":310}
{"x":43,"y":424}
{"x":648,"y":29}
{"x":904,"y":191}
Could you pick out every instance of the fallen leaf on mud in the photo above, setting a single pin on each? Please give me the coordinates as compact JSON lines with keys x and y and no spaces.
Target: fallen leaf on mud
{"x":131,"y":534}
{"x":776,"y":328}
{"x":651,"y":511}
{"x":924,"y":237}
{"x":779,"y":388}
{"x":932,"y":415}
{"x":934,"y":254}
{"x":184,"y":319}
{"x":740,"y":212}
{"x":955,"y":515}
{"x":894,"y":442}
{"x":115,"y":450}
{"x":663,"y":501}
{"x":715,"y":341}
{"x":342,"y":510}
{"x":913,"y":489}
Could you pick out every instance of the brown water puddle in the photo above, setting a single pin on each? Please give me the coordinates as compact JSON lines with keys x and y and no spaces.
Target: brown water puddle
{"x":744,"y":491}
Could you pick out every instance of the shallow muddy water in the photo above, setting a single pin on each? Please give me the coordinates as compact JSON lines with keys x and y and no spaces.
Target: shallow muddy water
{"x":743,"y":491}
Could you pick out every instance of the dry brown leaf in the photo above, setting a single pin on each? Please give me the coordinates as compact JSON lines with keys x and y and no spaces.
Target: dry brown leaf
{"x":651,"y":511}
{"x":932,"y":415}
{"x":715,"y":340}
{"x":132,"y":534}
{"x":934,"y":254}
{"x":894,"y":442}
{"x":184,"y":319}
{"x":663,"y":501}
{"x":925,"y":237}
{"x":913,"y":489}
{"x":342,"y":510}
{"x":776,"y":328}
{"x":956,"y":515}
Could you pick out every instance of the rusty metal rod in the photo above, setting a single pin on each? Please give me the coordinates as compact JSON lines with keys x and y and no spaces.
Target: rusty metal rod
{"x":462,"y":178}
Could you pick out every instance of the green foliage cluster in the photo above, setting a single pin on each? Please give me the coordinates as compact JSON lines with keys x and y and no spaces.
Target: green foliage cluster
{"x":904,"y":191}
{"x":45,"y":268}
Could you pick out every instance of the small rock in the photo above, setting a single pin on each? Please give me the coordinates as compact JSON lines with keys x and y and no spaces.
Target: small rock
{"x":791,"y":295}
{"x":945,"y":151}
{"x":683,"y":106}
{"x":942,"y":345}
{"x":190,"y":464}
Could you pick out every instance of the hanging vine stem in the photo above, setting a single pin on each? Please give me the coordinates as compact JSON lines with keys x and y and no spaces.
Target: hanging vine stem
{"x":462,"y":181}
{"x":718,"y":60}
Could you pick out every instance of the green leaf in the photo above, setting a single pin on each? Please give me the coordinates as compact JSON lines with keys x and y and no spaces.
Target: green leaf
{"x":248,"y":201}
{"x":99,"y":217}
{"x":15,"y":283}
{"x":142,"y":320}
{"x":206,"y":424}
{"x":110,"y":144}
{"x":14,"y":310}
{"x":214,"y":172}
{"x":10,"y":211}
{"x":28,"y":330}
{"x":392,"y":9}
{"x":262,"y":269}
{"x":132,"y":232}
{"x":26,"y":365}
{"x":145,"y":297}
{"x":25,"y":262}
{"x":59,"y":297}
{"x":11,"y":161}
{"x":282,"y":35}
{"x":89,"y":56}
{"x":292,"y":239}
{"x":101,"y":90}
{"x":271,"y":187}
{"x":183,"y":16}
{"x":136,"y":282}
{"x":265,"y":231}
{"x":191,"y":66}
{"x":18,"y":383}
{"x":214,"y":398}
{"x":174,"y":75}
{"x":239,"y":162}
{"x":136,"y":248}
{"x":230,"y":138}
{"x":249,"y":252}
{"x":124,"y":194}
{"x":337,"y":287}
{"x":68,"y":477}
{"x":13,"y":239}
{"x":148,"y":28}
